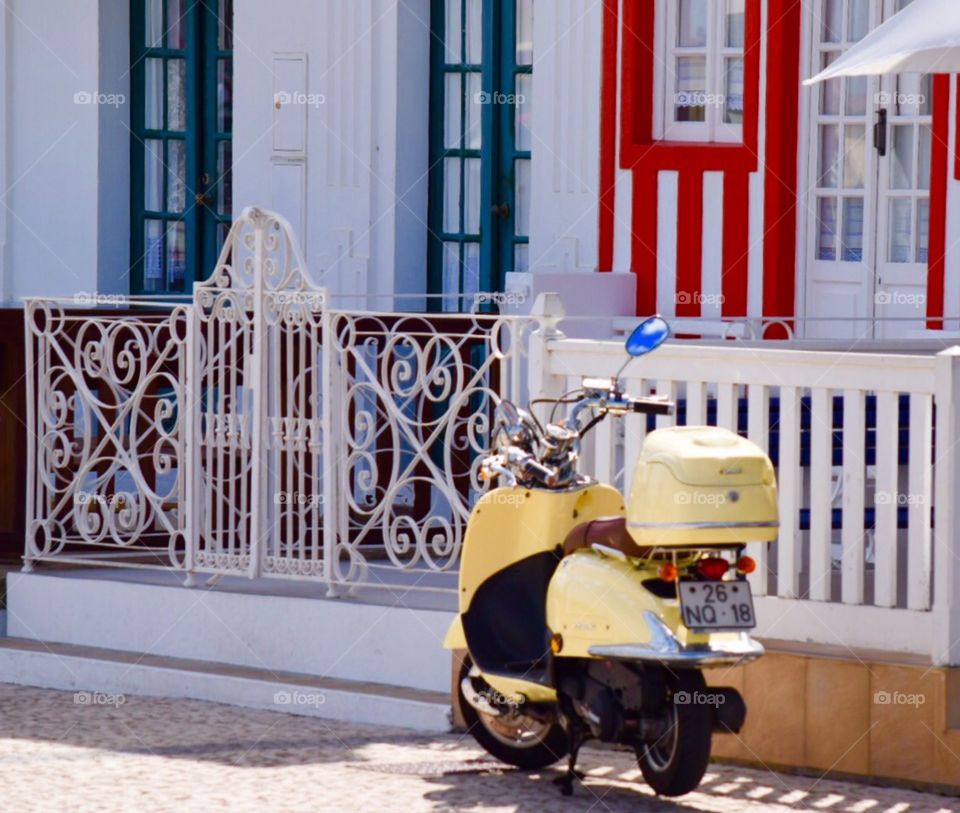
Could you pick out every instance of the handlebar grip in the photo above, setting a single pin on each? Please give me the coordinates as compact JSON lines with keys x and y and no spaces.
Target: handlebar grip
{"x":651,"y":407}
{"x":544,"y":473}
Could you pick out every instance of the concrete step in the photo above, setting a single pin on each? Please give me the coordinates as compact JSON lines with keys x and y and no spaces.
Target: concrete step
{"x":105,"y":676}
{"x":272,"y":624}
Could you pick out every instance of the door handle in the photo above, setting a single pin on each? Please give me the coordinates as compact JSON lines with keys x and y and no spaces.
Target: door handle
{"x":200,"y":199}
{"x":501,"y":210}
{"x":880,"y":133}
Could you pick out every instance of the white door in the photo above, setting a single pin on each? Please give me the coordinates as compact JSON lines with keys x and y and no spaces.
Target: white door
{"x":868,"y":210}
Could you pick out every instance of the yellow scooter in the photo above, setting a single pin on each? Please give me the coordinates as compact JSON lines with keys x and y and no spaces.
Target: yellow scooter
{"x":587,"y":616}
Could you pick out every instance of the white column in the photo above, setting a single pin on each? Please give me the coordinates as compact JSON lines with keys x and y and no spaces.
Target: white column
{"x":567,"y":63}
{"x":946,"y":538}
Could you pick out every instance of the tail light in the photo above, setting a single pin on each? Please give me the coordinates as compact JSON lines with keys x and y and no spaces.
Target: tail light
{"x":713,"y":568}
{"x":668,"y":572}
{"x":746,"y":565}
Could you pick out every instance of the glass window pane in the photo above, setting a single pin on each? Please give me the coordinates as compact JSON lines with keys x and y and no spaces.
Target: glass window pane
{"x":176,"y":255}
{"x":471,"y":271}
{"x":451,"y":276}
{"x":153,"y":255}
{"x":475,"y":101}
{"x":733,"y":96}
{"x":153,"y":175}
{"x":690,"y":101}
{"x":175,"y":23}
{"x":452,"y":111}
{"x":521,"y":258}
{"x":923,"y":159}
{"x":901,"y":157}
{"x":735,"y":23}
{"x":474,"y":32}
{"x":926,"y":95}
{"x":225,"y":25}
{"x":454,"y":33}
{"x":153,"y":95}
{"x":471,"y":196}
{"x":176,"y":176}
{"x":855,"y":96}
{"x":853,"y":229}
{"x":901,"y":225}
{"x":832,"y":21}
{"x":524,"y":32}
{"x":829,"y":156}
{"x":225,"y":95}
{"x":225,"y":178}
{"x":176,"y":95}
{"x":451,"y":195}
{"x":923,"y":231}
{"x":692,"y":23}
{"x":524,"y":112}
{"x":827,"y":229}
{"x":854,"y":155}
{"x":522,"y":196}
{"x":153,"y":19}
{"x":858,"y":21}
{"x":830,"y":90}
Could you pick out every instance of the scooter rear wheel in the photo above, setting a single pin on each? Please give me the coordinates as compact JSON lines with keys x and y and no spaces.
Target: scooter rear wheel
{"x":675,"y":763}
{"x":514,"y":738}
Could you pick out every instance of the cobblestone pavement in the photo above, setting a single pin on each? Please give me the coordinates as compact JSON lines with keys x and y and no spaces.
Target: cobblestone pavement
{"x":65,"y":752}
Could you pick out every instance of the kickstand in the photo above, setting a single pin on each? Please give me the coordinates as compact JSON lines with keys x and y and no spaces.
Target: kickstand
{"x":575,"y":739}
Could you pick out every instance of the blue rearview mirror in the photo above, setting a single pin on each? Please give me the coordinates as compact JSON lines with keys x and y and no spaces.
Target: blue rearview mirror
{"x":648,"y":336}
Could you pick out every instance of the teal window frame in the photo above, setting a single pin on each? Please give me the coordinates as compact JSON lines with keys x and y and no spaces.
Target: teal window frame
{"x":204,"y":222}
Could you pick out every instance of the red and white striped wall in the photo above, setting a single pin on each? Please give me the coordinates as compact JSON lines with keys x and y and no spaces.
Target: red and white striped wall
{"x":712,"y":230}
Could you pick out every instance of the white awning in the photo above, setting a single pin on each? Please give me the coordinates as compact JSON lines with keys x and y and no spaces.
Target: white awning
{"x":923,"y":38}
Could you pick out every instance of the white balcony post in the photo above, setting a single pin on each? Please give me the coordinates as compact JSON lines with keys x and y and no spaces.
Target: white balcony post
{"x":548,"y":310}
{"x":330,"y":396}
{"x":946,"y":593}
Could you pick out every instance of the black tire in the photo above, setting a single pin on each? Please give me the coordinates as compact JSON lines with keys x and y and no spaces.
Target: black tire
{"x":547,"y":746}
{"x":676,"y":763}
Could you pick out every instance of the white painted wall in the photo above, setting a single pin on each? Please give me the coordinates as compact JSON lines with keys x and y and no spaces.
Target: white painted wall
{"x":566,"y":135}
{"x":66,"y":193}
{"x":364,"y":152}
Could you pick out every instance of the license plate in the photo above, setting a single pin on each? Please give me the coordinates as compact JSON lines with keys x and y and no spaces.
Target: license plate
{"x":717,"y":605}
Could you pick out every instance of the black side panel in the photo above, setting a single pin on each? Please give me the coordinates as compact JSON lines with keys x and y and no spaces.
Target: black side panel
{"x":506,"y":625}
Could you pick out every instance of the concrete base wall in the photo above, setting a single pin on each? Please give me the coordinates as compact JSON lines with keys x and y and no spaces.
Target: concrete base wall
{"x":867,"y":718}
{"x":337,"y":638}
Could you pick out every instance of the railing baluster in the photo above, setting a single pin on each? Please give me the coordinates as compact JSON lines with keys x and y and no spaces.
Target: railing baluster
{"x":854,"y":471}
{"x":821,"y":508}
{"x":790,"y":480}
{"x":920,"y":500}
{"x":758,"y":431}
{"x":885,"y":502}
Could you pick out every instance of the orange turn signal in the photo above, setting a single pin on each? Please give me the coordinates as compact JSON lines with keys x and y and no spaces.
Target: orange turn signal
{"x":556,"y":643}
{"x":668,"y":572}
{"x":746,"y":565}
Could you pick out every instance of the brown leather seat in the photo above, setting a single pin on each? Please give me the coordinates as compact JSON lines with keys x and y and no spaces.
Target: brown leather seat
{"x":611,"y":532}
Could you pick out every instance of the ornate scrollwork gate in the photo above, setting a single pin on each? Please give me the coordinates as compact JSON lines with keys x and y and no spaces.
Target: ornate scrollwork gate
{"x":256,"y":431}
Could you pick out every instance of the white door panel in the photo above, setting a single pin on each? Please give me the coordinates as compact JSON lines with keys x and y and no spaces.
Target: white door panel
{"x":868,"y":208}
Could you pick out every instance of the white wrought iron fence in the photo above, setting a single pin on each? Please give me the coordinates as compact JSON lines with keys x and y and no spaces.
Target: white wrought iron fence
{"x":255,"y":431}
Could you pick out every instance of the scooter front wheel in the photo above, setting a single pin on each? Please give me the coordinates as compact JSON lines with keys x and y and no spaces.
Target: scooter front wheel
{"x":514,"y":737}
{"x":677,"y":761}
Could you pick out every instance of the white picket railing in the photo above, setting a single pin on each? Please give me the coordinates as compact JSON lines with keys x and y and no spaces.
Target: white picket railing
{"x":859,"y":561}
{"x":257,"y":431}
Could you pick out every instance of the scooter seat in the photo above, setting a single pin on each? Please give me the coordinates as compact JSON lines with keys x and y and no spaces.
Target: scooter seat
{"x":611,"y":532}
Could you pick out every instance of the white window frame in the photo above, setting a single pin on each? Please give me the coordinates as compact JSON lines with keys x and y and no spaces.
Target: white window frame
{"x":713,"y":128}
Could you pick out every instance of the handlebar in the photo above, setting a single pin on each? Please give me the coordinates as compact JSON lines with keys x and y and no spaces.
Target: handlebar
{"x":652,"y":406}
